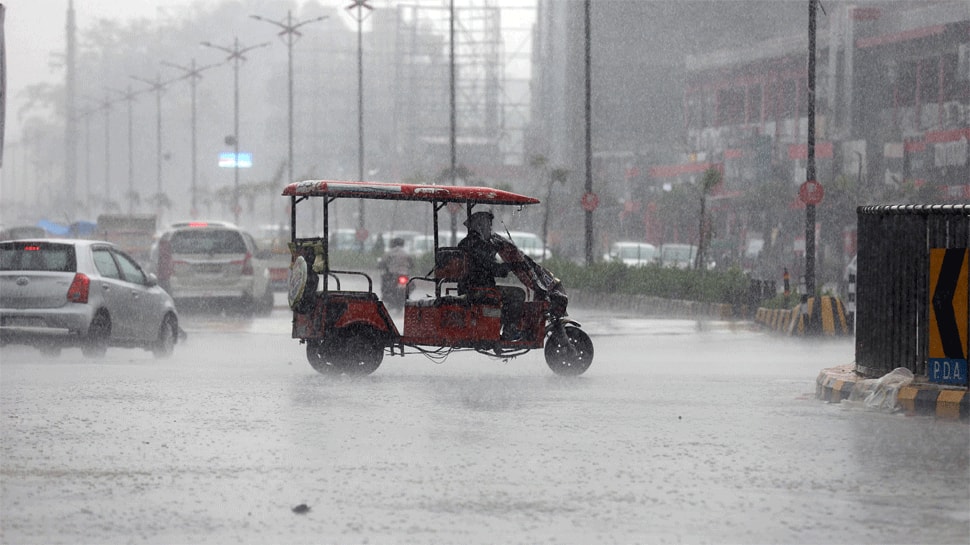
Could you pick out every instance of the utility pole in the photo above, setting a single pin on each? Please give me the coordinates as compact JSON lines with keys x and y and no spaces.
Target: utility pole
{"x":193,"y":74}
{"x":589,"y":136}
{"x":129,"y":97}
{"x":70,"y":140}
{"x":360,"y":16}
{"x":236,"y":56}
{"x":810,"y":163}
{"x":289,"y":29}
{"x":452,"y":136}
{"x":157,"y":86}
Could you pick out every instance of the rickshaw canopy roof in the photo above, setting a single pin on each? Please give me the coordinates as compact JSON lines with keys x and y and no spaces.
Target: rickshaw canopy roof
{"x":405,"y":192}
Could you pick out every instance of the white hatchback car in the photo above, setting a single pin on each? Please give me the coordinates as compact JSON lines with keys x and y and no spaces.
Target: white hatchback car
{"x":632,"y":254}
{"x":530,"y":244}
{"x":59,"y":293}
{"x":215,"y":264}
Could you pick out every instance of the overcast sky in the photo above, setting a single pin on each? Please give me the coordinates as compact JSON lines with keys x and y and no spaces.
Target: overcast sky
{"x":36,"y":28}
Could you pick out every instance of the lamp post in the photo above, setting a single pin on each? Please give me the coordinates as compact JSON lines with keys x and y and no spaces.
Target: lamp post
{"x":106,"y":105}
{"x":157,"y":86}
{"x":589,"y":137}
{"x":290,"y":31}
{"x":193,"y":74}
{"x":128,"y":96}
{"x":360,"y":16}
{"x":236,"y":56}
{"x":810,"y":162}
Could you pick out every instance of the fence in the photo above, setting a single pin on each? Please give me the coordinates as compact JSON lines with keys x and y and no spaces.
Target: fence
{"x":892,"y":290}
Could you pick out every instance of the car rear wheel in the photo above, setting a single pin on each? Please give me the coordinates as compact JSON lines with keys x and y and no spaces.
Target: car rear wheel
{"x":167,"y":337}
{"x":96,"y":343}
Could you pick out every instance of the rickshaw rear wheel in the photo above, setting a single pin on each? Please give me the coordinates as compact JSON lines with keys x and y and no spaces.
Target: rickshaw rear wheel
{"x":354,"y":351}
{"x":320,"y":355}
{"x":360,"y":350}
{"x":570,"y":356}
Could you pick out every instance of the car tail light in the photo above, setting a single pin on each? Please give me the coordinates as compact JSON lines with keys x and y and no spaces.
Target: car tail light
{"x":247,"y":264}
{"x":78,"y":292}
{"x":165,"y":265}
{"x":402,"y":280}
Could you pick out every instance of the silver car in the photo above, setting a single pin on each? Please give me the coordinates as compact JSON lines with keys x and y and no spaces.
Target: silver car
{"x":58,"y":293}
{"x":215,"y":264}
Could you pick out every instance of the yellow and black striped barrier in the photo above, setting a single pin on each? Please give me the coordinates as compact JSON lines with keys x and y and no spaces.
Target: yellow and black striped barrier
{"x":823,"y":315}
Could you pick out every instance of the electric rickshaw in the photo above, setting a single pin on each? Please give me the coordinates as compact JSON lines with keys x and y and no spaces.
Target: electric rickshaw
{"x":350,"y":331}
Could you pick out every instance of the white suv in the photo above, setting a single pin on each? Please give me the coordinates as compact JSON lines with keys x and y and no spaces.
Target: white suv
{"x":212,"y":263}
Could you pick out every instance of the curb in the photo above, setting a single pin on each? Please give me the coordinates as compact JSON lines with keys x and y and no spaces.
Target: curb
{"x":836,"y":384}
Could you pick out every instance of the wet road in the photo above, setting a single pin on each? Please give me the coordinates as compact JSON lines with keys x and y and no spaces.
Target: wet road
{"x":680,"y":432}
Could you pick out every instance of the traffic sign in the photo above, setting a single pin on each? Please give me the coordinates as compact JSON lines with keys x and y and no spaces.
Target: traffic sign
{"x":811,"y":192}
{"x":947,"y":361}
{"x":590,"y":201}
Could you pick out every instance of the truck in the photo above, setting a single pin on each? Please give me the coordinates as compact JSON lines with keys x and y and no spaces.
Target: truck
{"x":133,"y":233}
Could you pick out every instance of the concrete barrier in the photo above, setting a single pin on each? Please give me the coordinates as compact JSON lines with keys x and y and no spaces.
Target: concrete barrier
{"x":824,"y":315}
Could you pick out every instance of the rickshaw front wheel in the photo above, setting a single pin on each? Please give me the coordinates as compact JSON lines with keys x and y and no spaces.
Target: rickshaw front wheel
{"x":569,"y":356}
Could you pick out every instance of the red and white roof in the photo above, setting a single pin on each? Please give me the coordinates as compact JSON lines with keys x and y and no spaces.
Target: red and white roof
{"x":405,"y":192}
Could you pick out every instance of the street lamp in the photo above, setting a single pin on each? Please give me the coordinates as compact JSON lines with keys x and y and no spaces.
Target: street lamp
{"x":290,"y":31}
{"x":106,"y":106}
{"x":589,"y":134}
{"x":128,"y":96}
{"x":157,"y":85}
{"x":360,"y":16}
{"x":192,"y":74}
{"x":236,"y":56}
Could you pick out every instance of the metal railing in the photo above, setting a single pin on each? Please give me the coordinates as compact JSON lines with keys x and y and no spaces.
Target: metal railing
{"x":892,"y":290}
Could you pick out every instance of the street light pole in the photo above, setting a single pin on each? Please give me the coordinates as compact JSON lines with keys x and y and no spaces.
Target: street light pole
{"x":236,"y":56}
{"x":589,"y":137}
{"x":192,"y":74}
{"x":128,"y":96}
{"x":360,"y":5}
{"x":157,"y":86}
{"x":810,"y":173}
{"x":290,"y":31}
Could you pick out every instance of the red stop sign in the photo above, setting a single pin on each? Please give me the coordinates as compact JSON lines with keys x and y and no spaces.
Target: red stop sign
{"x":811,"y":192}
{"x":590,"y":201}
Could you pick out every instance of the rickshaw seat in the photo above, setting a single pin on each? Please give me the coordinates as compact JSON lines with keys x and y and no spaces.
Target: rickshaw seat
{"x":449,"y":264}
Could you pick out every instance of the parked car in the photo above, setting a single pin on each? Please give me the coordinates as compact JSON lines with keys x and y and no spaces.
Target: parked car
{"x":632,"y":254}
{"x":22,"y":231}
{"x":346,"y":239}
{"x":271,"y":241}
{"x":680,"y":256}
{"x":530,"y":244}
{"x":215,"y":264}
{"x":58,"y":293}
{"x":424,"y":244}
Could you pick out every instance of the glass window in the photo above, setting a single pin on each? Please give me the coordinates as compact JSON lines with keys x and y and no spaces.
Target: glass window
{"x":208,"y":241}
{"x":929,"y":81}
{"x":37,"y":256}
{"x":730,"y":106}
{"x":129,"y":269}
{"x":105,"y":263}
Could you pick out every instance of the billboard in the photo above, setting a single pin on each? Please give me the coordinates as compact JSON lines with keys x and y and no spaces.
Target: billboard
{"x":228,"y":159}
